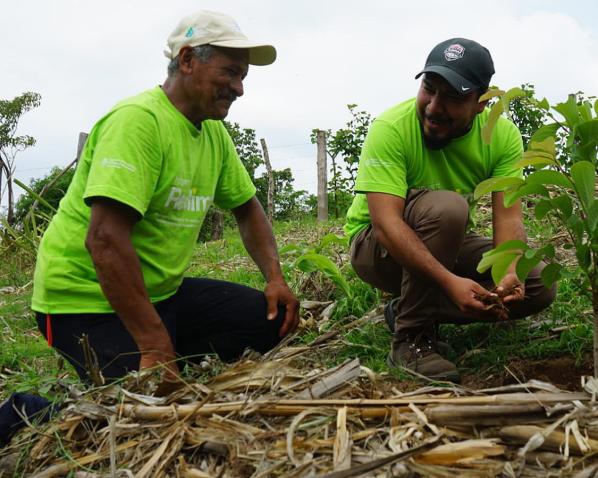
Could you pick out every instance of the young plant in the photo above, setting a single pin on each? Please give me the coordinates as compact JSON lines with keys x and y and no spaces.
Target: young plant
{"x":310,"y":259}
{"x":562,"y":159}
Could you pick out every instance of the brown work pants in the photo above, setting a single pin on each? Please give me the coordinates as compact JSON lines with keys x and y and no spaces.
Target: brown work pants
{"x":439,"y":218}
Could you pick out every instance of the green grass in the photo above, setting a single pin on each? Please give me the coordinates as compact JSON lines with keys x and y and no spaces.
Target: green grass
{"x":28,"y":364}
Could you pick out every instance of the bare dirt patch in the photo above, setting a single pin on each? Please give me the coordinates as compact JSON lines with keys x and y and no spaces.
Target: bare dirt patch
{"x":563,"y":372}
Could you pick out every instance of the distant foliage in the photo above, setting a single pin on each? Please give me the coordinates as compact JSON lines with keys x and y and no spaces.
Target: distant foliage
{"x":54,"y":190}
{"x":343,"y":147}
{"x":11,"y":143}
{"x":288,"y":202}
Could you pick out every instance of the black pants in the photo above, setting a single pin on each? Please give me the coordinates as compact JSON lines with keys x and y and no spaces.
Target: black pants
{"x":205,"y":316}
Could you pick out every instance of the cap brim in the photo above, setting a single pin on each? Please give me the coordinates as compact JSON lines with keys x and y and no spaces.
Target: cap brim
{"x":259,"y":54}
{"x":458,"y":82}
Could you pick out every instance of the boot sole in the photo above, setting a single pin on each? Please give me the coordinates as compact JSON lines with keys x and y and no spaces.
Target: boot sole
{"x":442,"y":377}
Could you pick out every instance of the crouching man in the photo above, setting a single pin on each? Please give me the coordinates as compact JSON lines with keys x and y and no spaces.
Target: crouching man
{"x":409,"y":222}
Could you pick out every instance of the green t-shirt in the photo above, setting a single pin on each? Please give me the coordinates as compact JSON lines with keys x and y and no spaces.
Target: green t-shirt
{"x":394,"y":159}
{"x":147,"y":155}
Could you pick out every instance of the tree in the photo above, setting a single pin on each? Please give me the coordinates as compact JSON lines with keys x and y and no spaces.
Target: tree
{"x":51,"y":188}
{"x":247,"y":147}
{"x":565,"y":181}
{"x":11,"y":144}
{"x":287,"y":202}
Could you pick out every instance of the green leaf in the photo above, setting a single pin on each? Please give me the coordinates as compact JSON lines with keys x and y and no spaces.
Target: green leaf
{"x":526,"y":264}
{"x":312,"y":262}
{"x":576,"y":226}
{"x":514,"y":93}
{"x":290,"y":248}
{"x":542,"y":208}
{"x":546,"y":131}
{"x":495,"y":112}
{"x":495,"y":184}
{"x":491,"y":93}
{"x":596,"y":107}
{"x":547,"y":251}
{"x":569,"y":110}
{"x":512,"y":195}
{"x":564,"y":204}
{"x":332,"y":238}
{"x":583,"y":174}
{"x":584,"y":258}
{"x":547,"y":176}
{"x":587,"y":140}
{"x":36,"y":196}
{"x":585,"y":111}
{"x":550,"y":274}
{"x":593,"y":219}
{"x":512,"y":245}
{"x":491,"y":257}
{"x":537,"y":157}
{"x":529,"y":254}
{"x":545,"y":145}
{"x":501,"y":266}
{"x":544,"y":104}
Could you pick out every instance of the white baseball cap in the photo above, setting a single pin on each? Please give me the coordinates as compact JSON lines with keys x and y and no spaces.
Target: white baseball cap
{"x":213,"y":28}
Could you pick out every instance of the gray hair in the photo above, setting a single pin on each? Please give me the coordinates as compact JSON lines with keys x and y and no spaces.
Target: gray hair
{"x":202,"y":52}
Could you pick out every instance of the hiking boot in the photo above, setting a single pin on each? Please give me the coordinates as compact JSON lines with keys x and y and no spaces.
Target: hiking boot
{"x":418,"y":351}
{"x":390,"y":316}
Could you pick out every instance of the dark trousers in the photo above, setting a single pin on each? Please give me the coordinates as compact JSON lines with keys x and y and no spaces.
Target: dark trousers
{"x":439,"y":218}
{"x":204,"y":316}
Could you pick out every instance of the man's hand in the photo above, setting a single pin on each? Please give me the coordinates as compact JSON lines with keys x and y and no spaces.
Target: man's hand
{"x":164,"y":358}
{"x":465,"y":292}
{"x":277,"y":293}
{"x":510,"y":288}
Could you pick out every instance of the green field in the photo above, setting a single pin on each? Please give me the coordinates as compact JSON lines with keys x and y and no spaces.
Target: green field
{"x":486,"y":354}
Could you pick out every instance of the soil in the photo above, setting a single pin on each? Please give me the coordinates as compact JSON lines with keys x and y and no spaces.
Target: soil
{"x":563,"y":372}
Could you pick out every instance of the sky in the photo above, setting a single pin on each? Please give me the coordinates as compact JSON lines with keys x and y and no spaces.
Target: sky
{"x":84,"y":56}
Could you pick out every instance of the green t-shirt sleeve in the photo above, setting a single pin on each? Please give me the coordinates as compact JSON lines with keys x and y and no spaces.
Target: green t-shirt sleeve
{"x":126,"y":158}
{"x":382,"y":167}
{"x":234,"y":185}
{"x":511,"y":151}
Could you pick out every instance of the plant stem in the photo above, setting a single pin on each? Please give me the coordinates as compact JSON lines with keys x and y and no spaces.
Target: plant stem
{"x":595,"y":307}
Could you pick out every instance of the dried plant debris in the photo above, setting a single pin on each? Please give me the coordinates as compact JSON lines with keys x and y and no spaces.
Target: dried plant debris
{"x":286,"y":415}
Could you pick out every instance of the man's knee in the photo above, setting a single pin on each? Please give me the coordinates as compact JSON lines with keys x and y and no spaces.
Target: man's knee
{"x":442,"y":208}
{"x":544,"y":297}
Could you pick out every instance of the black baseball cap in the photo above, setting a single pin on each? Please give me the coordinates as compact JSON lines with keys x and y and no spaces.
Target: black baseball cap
{"x":464,"y":63}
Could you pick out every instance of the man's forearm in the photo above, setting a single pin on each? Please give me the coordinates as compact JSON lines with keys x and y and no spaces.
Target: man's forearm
{"x":119,"y":275}
{"x":405,"y":247}
{"x":258,"y":239}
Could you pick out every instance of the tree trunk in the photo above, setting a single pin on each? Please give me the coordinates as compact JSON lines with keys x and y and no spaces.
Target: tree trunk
{"x":10,"y":215}
{"x":270,"y":207}
{"x":595,"y":307}
{"x":217,"y":225}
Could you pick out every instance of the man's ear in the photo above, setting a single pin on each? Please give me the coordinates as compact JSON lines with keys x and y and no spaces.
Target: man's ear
{"x":185,"y":60}
{"x":482,"y":105}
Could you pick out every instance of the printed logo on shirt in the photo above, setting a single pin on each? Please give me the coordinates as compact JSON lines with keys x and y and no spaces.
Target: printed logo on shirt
{"x":375,"y":162}
{"x":118,"y":164}
{"x":181,"y":199}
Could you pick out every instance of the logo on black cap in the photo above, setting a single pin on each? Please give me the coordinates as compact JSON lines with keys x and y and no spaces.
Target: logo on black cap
{"x":454,"y":52}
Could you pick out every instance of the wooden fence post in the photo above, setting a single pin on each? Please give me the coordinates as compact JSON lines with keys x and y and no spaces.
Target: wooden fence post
{"x":80,"y":145}
{"x":270,"y":207}
{"x":322,"y":177}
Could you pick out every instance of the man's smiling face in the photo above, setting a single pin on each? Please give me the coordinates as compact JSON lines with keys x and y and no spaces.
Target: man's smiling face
{"x":443,"y":112}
